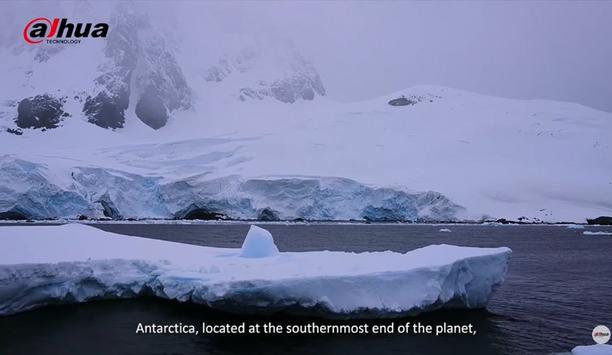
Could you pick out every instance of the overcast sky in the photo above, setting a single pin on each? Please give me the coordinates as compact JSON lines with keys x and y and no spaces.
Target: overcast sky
{"x":559,"y":50}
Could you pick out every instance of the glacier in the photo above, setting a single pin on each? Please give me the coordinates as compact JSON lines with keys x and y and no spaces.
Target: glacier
{"x":36,"y":191}
{"x":76,"y":263}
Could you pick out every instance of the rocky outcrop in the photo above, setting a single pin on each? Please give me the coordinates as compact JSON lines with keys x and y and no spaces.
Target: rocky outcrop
{"x":151,"y":109}
{"x":161,"y":84}
{"x":602,"y":220}
{"x":107,"y":107}
{"x":287,"y":90}
{"x":140,"y":64}
{"x":292,"y":78}
{"x":13,"y":215}
{"x":108,"y":207}
{"x":412,"y":100}
{"x":40,"y":111}
{"x":107,"y":110}
{"x":402,"y":101}
{"x":194,"y":211}
{"x":268,"y":214}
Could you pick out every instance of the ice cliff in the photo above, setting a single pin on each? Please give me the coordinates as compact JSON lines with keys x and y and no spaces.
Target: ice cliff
{"x":34,"y":191}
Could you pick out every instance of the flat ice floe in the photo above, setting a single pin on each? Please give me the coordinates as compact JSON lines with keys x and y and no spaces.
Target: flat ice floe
{"x":598,"y":349}
{"x":43,"y":265}
{"x":596,"y":233}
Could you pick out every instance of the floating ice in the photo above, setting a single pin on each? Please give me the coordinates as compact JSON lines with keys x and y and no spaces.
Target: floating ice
{"x":575,"y":226}
{"x":445,"y":230}
{"x":258,"y":244}
{"x":598,"y":349}
{"x":596,"y":233}
{"x":42,"y":265}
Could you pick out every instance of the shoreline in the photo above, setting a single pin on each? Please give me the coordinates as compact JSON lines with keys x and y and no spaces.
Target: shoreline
{"x":248,"y":222}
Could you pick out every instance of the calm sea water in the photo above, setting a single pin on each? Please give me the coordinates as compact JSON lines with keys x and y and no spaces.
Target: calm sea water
{"x":559,"y":286}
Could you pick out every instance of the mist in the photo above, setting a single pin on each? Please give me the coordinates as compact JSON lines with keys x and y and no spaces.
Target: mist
{"x":557,"y":50}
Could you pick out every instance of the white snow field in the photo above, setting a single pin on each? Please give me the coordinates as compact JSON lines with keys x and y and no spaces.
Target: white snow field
{"x":598,"y":349}
{"x":462,"y":156}
{"x":44,"y":265}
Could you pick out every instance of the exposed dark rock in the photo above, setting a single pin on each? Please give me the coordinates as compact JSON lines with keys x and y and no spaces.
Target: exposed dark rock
{"x":402,"y":101}
{"x":162,"y":85}
{"x":40,"y":111}
{"x":193,"y":211}
{"x":300,"y":81}
{"x":603,"y":220}
{"x":413,"y":100}
{"x":83,"y":218}
{"x":268,"y":214}
{"x":288,"y":90}
{"x":136,"y":64}
{"x":13,"y":215}
{"x":151,"y":109}
{"x":106,"y":111}
{"x":108,"y":207}
{"x":16,"y":131}
{"x":107,"y":108}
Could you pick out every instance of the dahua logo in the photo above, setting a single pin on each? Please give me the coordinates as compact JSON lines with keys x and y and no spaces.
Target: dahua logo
{"x":601,"y":334}
{"x":60,"y":31}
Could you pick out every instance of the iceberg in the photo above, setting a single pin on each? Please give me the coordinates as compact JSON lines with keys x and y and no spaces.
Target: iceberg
{"x":596,"y":233}
{"x":598,"y":349}
{"x":258,"y":244}
{"x":45,"y":265}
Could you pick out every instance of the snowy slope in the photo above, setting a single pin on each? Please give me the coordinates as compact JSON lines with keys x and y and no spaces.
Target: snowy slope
{"x":76,"y":263}
{"x":201,"y":123}
{"x":496,"y":157}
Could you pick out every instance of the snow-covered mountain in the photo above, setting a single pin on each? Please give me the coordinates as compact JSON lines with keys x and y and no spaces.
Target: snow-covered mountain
{"x":258,"y":70}
{"x":146,"y":124}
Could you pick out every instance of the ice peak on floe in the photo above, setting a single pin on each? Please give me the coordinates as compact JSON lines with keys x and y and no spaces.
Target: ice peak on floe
{"x":258,"y":244}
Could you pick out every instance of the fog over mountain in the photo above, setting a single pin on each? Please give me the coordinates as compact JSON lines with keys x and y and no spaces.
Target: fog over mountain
{"x":528,"y":50}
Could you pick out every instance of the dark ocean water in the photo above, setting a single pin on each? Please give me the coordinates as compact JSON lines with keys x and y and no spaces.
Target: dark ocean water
{"x":558,"y":288}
